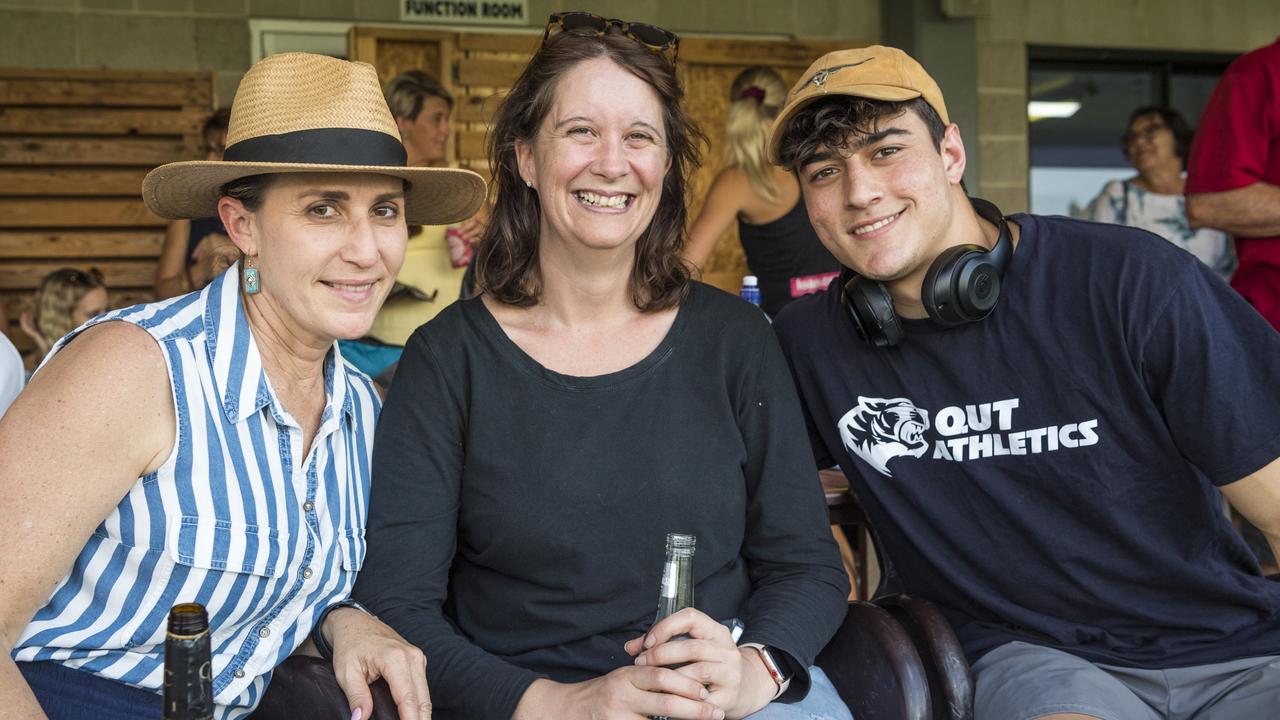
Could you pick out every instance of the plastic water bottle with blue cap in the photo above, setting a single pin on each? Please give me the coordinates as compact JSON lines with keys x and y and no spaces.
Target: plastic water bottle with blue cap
{"x":751,"y":291}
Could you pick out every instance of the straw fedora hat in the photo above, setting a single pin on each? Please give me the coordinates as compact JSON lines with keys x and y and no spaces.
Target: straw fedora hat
{"x":298,"y":112}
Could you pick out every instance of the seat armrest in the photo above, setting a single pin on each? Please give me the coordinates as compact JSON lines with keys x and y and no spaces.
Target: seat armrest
{"x":950,"y":679}
{"x":874,"y":666}
{"x":304,"y":686}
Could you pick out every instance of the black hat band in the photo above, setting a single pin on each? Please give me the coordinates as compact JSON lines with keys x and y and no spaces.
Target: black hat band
{"x":321,"y":146}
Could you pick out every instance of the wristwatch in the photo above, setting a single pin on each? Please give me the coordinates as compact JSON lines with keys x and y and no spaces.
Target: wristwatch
{"x":317,"y":636}
{"x":775,"y":662}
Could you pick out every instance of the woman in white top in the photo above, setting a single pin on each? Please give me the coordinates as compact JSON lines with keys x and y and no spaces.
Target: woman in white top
{"x":1156,"y":144}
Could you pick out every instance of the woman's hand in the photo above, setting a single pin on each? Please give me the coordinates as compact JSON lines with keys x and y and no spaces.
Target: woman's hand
{"x":628,"y":693}
{"x":736,"y":677}
{"x":365,"y":649}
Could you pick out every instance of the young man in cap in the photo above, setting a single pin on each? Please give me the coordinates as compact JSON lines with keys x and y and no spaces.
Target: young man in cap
{"x":1037,"y":415}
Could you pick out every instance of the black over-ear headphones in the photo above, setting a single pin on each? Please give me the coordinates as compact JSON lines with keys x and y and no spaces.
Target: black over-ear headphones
{"x":962,"y":286}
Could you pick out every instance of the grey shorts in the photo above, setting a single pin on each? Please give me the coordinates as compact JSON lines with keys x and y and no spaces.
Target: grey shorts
{"x":1020,"y":681}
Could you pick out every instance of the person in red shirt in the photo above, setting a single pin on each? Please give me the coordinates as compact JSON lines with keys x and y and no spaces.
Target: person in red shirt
{"x":1233,"y":175}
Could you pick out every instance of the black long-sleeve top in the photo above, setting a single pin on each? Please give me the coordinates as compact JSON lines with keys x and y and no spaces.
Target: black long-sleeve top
{"x":518,"y":516}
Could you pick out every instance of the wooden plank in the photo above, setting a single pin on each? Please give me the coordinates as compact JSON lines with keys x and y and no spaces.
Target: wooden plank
{"x":77,"y":245}
{"x":177,"y":92}
{"x":68,"y":213}
{"x":71,"y":181}
{"x":100,"y":121}
{"x":722,"y":51}
{"x":8,"y":73}
{"x":489,"y":73}
{"x":94,"y":151}
{"x":471,"y":144}
{"x":478,"y":108}
{"x":116,"y":273}
{"x":500,"y":42}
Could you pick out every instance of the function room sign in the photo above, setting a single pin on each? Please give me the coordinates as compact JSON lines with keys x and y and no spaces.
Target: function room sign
{"x":478,"y":12}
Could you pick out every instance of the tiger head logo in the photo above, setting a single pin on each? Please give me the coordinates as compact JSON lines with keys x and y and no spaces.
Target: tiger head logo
{"x":879,"y":430}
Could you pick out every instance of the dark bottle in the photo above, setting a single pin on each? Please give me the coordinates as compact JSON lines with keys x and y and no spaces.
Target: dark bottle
{"x":188,"y":672}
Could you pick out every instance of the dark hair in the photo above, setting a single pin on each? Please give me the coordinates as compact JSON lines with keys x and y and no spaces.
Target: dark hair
{"x":507,"y":259}
{"x":833,"y":122}
{"x":1172,"y":119}
{"x":218,"y":121}
{"x":409,"y":90}
{"x":250,"y":191}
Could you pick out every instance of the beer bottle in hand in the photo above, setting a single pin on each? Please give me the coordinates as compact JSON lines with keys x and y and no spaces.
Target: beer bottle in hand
{"x":676,"y":592}
{"x":188,"y":673}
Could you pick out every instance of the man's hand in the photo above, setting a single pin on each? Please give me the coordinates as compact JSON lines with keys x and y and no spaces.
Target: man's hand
{"x":365,"y":649}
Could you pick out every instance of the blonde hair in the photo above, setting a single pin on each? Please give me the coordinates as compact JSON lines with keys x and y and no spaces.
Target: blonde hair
{"x":409,"y":90}
{"x":757,"y":94}
{"x":59,"y":293}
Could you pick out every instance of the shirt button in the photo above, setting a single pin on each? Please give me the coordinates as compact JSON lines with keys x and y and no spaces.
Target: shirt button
{"x":264,"y":632}
{"x":308,"y":506}
{"x":306,"y":573}
{"x":239,"y":672}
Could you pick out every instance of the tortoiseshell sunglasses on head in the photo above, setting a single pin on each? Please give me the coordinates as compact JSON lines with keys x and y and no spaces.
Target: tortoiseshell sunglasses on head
{"x":651,"y":36}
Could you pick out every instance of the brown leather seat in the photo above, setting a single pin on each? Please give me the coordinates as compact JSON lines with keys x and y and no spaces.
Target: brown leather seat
{"x":305,"y":687}
{"x":874,"y":666}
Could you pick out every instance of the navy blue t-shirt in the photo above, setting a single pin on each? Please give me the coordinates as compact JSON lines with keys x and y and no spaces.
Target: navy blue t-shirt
{"x":1047,"y":475}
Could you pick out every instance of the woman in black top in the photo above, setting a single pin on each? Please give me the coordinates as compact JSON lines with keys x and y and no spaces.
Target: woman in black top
{"x":540,"y":440}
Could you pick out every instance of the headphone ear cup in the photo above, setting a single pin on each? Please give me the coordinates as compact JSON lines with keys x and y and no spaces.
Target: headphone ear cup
{"x":961,"y":286}
{"x":871,"y":308}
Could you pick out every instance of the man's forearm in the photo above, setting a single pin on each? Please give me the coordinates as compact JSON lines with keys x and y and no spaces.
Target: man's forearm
{"x":1250,"y":211}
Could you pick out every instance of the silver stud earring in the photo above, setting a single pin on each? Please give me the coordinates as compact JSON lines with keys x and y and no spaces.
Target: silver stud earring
{"x":528,"y":183}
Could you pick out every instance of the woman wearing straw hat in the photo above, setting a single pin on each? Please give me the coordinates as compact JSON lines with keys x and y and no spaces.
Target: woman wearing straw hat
{"x":541,"y":439}
{"x":214,"y":448}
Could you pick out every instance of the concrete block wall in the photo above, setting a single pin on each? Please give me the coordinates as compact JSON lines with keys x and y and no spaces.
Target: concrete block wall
{"x":1007,"y":27}
{"x":214,"y":34}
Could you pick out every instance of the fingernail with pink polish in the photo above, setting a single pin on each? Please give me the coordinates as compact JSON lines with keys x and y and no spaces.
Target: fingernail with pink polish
{"x":357,"y":714}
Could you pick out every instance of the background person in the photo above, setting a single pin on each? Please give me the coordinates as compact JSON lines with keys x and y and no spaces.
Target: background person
{"x":1031,"y":442}
{"x":780,"y":246}
{"x":431,"y":277}
{"x":534,"y":451}
{"x":65,"y":300}
{"x":193,"y":248}
{"x":1156,"y":143}
{"x":215,"y":448}
{"x":1233,"y":176}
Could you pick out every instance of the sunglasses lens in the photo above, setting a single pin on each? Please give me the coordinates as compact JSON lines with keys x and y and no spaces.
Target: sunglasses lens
{"x":583,"y":21}
{"x":650,"y":34}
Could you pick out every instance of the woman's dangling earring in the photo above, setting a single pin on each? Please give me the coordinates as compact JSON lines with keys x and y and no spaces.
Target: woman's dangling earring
{"x":251,"y":286}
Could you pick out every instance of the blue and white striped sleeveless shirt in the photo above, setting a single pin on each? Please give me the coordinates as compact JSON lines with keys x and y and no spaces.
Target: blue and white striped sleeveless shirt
{"x":236,"y":518}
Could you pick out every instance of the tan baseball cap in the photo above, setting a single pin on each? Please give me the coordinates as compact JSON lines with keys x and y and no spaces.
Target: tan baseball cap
{"x":876,"y":73}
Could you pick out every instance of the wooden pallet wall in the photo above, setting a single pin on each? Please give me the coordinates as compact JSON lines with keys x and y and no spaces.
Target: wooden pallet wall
{"x":74,"y":147}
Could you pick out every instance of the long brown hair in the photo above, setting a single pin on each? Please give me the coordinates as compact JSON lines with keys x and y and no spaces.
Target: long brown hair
{"x":507,"y":259}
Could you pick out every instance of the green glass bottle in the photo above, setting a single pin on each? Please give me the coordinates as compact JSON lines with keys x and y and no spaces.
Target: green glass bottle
{"x":676,"y":592}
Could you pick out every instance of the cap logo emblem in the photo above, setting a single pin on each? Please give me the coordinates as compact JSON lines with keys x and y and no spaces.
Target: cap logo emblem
{"x":820,"y":78}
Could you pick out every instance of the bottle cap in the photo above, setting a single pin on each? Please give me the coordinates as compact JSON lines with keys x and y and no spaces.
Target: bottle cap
{"x":749,"y":281}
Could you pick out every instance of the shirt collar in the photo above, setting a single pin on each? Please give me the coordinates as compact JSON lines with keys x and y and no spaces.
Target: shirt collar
{"x":238,"y":374}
